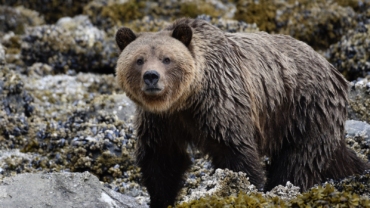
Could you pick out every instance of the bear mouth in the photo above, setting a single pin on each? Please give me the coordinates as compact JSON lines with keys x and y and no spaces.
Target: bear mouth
{"x":152,"y":90}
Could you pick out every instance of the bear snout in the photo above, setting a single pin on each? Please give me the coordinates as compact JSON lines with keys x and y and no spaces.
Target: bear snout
{"x":151,"y":79}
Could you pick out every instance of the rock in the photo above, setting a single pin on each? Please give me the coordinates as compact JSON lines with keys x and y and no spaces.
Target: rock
{"x":12,"y":43}
{"x":222,"y":183}
{"x":354,"y":128}
{"x":359,"y":100}
{"x":51,"y":10}
{"x":71,"y":44}
{"x":351,"y":54}
{"x":2,"y":55}
{"x":78,"y":123}
{"x":358,"y":138}
{"x":230,"y":25}
{"x":318,"y":23}
{"x":60,"y":190}
{"x":107,"y":14}
{"x":17,"y":19}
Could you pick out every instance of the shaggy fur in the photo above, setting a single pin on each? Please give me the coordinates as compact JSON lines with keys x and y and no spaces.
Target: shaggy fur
{"x":236,"y":97}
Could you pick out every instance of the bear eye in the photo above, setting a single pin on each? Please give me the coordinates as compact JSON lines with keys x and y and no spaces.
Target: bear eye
{"x":166,"y":60}
{"x":140,"y":61}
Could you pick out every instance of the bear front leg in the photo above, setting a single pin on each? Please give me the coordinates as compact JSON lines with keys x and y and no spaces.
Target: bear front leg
{"x":162,"y":168}
{"x":161,"y":154}
{"x":241,"y":157}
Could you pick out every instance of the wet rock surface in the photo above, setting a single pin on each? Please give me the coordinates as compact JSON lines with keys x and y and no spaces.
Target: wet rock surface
{"x":61,"y":112}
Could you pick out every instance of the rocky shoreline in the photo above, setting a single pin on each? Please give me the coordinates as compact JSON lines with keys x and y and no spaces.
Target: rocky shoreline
{"x":62,"y":114}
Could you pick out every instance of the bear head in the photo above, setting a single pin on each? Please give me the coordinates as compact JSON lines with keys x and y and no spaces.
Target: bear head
{"x":156,"y":70}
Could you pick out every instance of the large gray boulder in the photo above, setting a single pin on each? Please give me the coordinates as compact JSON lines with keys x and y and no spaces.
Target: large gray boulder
{"x":60,"y":190}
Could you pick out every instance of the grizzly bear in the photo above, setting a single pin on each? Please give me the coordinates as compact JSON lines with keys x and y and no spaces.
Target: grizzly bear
{"x":236,"y":97}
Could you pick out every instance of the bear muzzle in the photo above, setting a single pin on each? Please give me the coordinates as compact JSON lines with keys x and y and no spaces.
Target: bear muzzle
{"x":151,"y":79}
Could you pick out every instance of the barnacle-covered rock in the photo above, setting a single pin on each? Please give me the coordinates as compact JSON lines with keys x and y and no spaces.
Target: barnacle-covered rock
{"x":148,"y":15}
{"x":109,"y":14}
{"x":262,"y":13}
{"x":359,"y":184}
{"x":359,"y":100}
{"x":145,"y":24}
{"x":328,"y":196}
{"x":321,"y":196}
{"x":67,"y":123}
{"x":318,"y":23}
{"x":357,"y":5}
{"x":2,"y":55}
{"x":351,"y":54}
{"x":230,"y":25}
{"x":71,"y":44}
{"x":14,"y":98}
{"x":16,"y":105}
{"x":194,"y":8}
{"x":241,"y":200}
{"x":222,"y":183}
{"x":358,"y":138}
{"x":17,"y":19}
{"x":52,"y":10}
{"x":12,"y":43}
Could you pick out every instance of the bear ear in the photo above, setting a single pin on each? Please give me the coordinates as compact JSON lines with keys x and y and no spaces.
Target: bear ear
{"x":124,"y":36}
{"x":183,"y":33}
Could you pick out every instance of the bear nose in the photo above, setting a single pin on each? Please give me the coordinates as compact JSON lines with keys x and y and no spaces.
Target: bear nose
{"x":151,"y":77}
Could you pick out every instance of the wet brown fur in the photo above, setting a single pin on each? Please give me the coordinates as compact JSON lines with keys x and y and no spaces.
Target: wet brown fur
{"x":238,"y":97}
